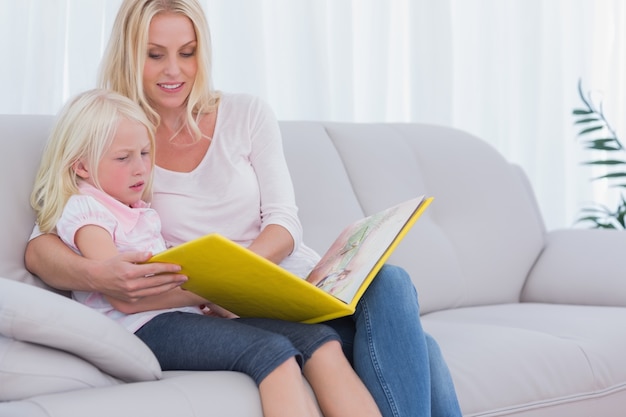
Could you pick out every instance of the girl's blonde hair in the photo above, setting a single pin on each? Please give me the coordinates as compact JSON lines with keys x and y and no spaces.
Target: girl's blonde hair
{"x":121,"y":69}
{"x":84,"y":130}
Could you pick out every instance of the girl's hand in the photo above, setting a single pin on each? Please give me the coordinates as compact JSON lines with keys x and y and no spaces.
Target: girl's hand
{"x":213,"y":310}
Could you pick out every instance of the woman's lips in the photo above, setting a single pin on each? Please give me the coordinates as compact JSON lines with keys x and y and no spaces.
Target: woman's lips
{"x":171,"y":87}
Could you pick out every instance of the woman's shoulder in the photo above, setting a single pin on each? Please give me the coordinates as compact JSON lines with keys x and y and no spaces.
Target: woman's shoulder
{"x":242,"y":101}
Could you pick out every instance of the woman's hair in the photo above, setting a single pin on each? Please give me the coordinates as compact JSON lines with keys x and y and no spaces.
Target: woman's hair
{"x":122,"y":65}
{"x":84,"y":129}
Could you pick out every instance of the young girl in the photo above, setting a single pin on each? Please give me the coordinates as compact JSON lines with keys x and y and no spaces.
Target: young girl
{"x":91,"y":188}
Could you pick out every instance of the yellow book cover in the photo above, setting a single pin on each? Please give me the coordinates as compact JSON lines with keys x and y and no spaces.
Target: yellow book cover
{"x":249,"y":285}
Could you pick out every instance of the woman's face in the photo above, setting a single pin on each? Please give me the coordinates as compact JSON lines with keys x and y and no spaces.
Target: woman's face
{"x":171,"y":65}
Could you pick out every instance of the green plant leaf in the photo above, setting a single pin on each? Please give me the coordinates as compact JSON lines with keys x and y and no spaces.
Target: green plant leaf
{"x":605,"y":162}
{"x":590,"y":129}
{"x":587,"y":120}
{"x":597,"y":215}
{"x":603,"y":144}
{"x":613,"y":175}
{"x":606,"y":140}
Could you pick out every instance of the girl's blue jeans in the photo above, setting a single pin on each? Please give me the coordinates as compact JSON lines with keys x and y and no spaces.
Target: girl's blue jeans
{"x":400,"y":364}
{"x":254,"y":346}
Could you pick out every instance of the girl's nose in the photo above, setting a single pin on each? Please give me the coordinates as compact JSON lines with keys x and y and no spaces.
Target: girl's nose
{"x":140,"y":167}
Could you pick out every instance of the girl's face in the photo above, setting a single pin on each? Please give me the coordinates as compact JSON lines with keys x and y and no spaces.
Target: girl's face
{"x":125,"y":167}
{"x":171,"y":65}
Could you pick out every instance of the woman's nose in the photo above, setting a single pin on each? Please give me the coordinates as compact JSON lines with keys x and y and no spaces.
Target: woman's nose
{"x":172,"y":67}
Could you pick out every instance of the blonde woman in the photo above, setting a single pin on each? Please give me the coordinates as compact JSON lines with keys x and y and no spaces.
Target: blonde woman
{"x":220,"y":168}
{"x":95,"y":176}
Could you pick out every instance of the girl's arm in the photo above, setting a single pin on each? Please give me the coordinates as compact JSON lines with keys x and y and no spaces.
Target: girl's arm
{"x":123,"y":276}
{"x":94,"y":242}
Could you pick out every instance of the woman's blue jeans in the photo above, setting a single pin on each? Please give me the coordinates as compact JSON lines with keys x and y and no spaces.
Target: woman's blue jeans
{"x":400,"y":364}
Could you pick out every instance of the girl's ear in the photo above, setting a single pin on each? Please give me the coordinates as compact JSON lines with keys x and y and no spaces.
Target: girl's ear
{"x":80,"y":169}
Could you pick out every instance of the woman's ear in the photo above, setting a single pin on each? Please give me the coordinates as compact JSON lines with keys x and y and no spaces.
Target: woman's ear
{"x":80,"y":169}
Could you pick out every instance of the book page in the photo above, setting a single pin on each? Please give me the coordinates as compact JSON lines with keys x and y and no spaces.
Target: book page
{"x":357,"y":250}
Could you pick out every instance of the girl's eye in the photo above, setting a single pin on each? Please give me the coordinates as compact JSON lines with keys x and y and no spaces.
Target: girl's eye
{"x":122,"y":158}
{"x":145,"y":153}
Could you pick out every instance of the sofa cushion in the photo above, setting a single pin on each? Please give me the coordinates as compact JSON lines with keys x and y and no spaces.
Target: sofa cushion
{"x":510,"y":359}
{"x":35,"y":315}
{"x":573,"y":256}
{"x":24,"y":137}
{"x":478,"y":197}
{"x":27,"y":369}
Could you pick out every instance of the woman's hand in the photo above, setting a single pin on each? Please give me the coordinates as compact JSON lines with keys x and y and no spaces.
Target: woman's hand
{"x":121,"y":277}
{"x":126,"y":278}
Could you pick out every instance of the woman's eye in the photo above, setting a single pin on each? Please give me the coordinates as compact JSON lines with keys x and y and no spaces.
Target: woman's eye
{"x":155,"y":56}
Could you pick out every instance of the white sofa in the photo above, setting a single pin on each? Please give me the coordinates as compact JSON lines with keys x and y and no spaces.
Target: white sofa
{"x":529,"y":320}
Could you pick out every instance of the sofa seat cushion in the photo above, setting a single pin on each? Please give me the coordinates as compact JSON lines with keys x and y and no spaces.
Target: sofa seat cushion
{"x":178,"y":394}
{"x":34,"y":315}
{"x":516,"y":357}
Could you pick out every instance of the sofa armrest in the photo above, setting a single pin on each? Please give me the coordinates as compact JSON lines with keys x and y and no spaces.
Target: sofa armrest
{"x":580,"y":266}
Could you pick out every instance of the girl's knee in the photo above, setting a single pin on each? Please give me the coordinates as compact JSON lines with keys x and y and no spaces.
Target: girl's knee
{"x":327,"y":354}
{"x":331,"y":347}
{"x":317,"y":337}
{"x":266,"y":355}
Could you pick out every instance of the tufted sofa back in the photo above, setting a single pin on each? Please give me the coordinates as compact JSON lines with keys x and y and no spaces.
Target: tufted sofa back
{"x":474,"y":245}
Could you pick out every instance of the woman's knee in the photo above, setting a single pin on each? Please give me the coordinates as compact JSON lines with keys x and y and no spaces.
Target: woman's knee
{"x":391,"y":294}
{"x":393,"y":283}
{"x":434,"y":351}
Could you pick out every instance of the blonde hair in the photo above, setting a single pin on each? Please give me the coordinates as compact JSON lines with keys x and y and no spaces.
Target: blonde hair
{"x":84,"y":130}
{"x":121,"y":69}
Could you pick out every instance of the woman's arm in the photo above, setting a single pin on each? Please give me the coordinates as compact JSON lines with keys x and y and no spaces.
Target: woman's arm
{"x":281,"y":231}
{"x":94,"y":242}
{"x":274,"y":243}
{"x":122,"y":276}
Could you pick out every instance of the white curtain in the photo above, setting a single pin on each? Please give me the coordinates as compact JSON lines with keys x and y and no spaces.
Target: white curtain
{"x":503,"y":70}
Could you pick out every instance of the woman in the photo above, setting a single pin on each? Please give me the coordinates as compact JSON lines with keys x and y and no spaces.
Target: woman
{"x":220,"y":168}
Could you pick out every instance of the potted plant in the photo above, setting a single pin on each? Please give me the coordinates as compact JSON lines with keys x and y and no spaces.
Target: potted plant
{"x":598,"y":136}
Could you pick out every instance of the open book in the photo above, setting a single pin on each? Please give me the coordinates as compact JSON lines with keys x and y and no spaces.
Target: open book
{"x":249,"y":285}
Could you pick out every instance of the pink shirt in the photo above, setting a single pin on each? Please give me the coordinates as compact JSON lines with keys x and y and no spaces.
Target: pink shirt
{"x":134,"y":228}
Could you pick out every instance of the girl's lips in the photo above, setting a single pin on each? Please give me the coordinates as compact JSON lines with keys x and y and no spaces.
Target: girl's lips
{"x":137,"y":186}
